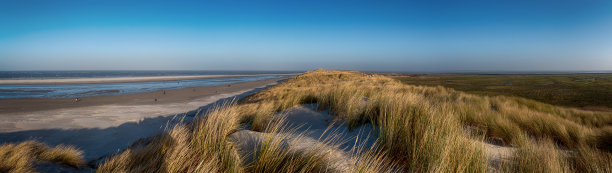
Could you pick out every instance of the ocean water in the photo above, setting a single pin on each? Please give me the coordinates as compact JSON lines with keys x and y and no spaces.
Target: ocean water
{"x":85,"y":90}
{"x":96,"y":74}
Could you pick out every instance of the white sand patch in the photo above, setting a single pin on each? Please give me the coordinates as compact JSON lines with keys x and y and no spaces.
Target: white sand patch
{"x":320,"y":124}
{"x":315,"y":126}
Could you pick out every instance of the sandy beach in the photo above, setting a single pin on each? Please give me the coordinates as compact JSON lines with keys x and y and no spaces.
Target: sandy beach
{"x":30,"y":105}
{"x":120,"y":79}
{"x":101,"y":125}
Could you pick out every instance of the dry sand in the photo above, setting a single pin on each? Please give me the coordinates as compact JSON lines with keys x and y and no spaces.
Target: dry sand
{"x":307,"y":129}
{"x":102,"y":125}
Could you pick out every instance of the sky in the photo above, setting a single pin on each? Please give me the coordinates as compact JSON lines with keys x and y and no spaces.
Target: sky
{"x":378,"y":35}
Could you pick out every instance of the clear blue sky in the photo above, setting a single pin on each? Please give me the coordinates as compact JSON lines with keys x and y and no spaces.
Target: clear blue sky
{"x":487,"y":35}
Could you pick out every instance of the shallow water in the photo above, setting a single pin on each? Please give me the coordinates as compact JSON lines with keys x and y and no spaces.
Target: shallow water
{"x":119,"y":73}
{"x":84,"y":90}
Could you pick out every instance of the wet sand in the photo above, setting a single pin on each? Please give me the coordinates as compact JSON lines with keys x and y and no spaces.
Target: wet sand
{"x":120,"y":79}
{"x":24,"y":105}
{"x":106,"y":111}
{"x":103,"y":125}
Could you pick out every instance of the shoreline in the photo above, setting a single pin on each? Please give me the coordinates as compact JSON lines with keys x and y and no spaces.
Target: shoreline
{"x":103,"y":125}
{"x":121,"y":79}
{"x":16,"y":114}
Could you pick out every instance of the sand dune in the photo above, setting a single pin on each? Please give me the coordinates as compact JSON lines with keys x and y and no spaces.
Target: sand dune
{"x":306,"y":128}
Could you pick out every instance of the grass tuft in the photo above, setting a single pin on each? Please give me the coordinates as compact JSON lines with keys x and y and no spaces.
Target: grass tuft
{"x":22,"y":157}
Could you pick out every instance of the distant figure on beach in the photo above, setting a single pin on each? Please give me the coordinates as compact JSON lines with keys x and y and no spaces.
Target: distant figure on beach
{"x":164,"y":92}
{"x":77,"y":99}
{"x":155,"y":99}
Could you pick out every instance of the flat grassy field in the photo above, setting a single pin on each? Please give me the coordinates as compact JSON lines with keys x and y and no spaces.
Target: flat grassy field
{"x":587,"y":91}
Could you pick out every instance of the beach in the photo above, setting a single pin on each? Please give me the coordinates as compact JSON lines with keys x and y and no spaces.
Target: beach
{"x":22,"y":106}
{"x":101,"y":125}
{"x":120,"y":79}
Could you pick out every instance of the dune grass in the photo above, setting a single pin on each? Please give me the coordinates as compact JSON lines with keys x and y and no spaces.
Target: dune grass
{"x":22,"y":157}
{"x":418,"y":129}
{"x":421,"y":129}
{"x":273,"y":154}
{"x":284,"y":150}
{"x":201,"y":146}
{"x":422,"y":126}
{"x":588,"y":91}
{"x":420,"y":137}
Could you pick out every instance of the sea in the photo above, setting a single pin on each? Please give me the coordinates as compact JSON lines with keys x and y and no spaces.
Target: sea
{"x":101,"y":89}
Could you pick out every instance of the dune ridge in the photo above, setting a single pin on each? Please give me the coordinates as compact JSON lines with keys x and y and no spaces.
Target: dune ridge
{"x":417,"y":129}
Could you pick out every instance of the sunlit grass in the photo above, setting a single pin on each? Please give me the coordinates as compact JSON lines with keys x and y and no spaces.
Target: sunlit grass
{"x":421,"y":126}
{"x":589,"y":91}
{"x":417,"y":129}
{"x":22,"y":157}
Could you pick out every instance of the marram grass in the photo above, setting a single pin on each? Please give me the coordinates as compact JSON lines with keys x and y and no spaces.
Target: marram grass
{"x":418,"y":129}
{"x":22,"y":157}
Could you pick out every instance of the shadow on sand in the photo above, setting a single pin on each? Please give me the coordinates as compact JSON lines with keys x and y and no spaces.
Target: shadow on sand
{"x":99,"y":143}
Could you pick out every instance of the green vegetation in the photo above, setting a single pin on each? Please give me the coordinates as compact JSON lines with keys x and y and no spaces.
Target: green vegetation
{"x":418,"y":129}
{"x":588,"y":91}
